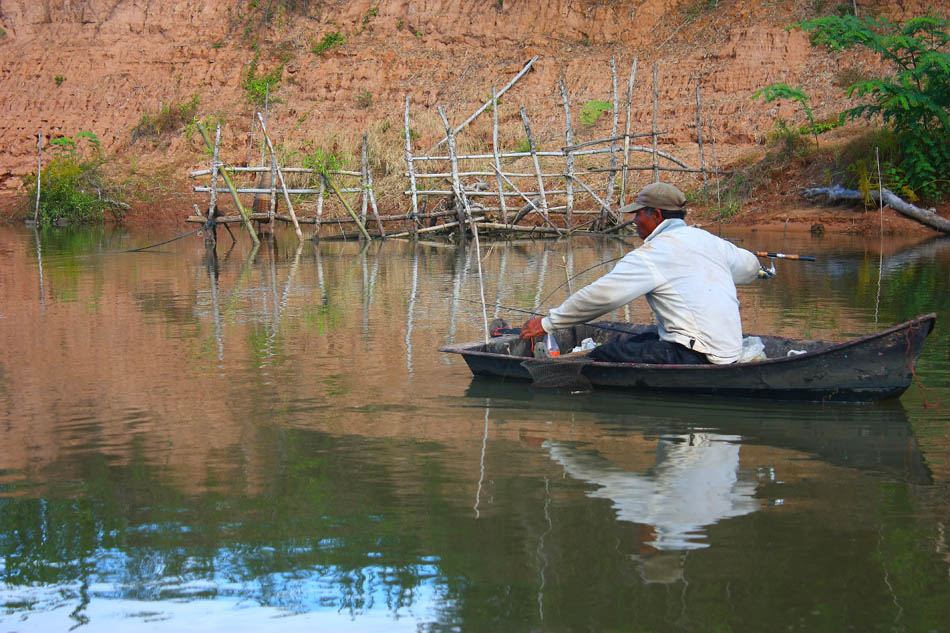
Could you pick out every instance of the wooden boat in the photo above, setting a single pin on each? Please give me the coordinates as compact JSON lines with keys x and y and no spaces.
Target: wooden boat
{"x":865,"y":369}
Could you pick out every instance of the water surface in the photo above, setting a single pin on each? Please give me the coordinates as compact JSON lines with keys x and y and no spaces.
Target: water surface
{"x":269,"y":439}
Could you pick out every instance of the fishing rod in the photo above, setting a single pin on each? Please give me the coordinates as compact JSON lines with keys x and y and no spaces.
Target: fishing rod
{"x":803,"y":258}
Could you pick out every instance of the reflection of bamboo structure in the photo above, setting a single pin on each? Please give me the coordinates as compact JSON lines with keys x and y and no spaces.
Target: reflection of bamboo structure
{"x":552,"y":186}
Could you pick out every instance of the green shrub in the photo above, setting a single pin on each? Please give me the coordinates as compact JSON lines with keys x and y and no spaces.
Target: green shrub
{"x":915,"y":101}
{"x":73,"y":186}
{"x":324,"y":161}
{"x":784,"y":91}
{"x":169,"y":119}
{"x":592,"y":111}
{"x":59,"y":79}
{"x":260,"y":88}
{"x":364,"y":99}
{"x":330,"y":40}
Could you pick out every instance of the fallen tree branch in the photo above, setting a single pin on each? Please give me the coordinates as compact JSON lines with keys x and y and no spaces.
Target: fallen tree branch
{"x":927,"y":217}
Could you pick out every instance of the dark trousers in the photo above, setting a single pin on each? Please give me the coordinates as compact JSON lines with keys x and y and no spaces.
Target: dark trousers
{"x":647,"y":348}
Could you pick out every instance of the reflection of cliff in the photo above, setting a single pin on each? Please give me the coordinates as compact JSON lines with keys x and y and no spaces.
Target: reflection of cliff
{"x":696,"y":482}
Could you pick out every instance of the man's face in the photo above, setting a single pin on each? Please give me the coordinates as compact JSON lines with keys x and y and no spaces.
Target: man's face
{"x":646,"y":220}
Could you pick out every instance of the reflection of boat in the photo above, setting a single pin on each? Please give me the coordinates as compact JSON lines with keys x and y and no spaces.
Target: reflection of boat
{"x":876,"y":439}
{"x":864,"y":369}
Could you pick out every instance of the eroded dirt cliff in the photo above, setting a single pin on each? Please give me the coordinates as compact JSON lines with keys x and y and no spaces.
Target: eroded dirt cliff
{"x":98,"y":65}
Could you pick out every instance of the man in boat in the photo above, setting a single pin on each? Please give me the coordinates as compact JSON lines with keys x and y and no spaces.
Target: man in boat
{"x":688,"y":277}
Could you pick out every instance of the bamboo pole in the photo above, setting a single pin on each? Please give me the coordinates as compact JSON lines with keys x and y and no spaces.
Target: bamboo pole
{"x":699,"y":136}
{"x":273,"y":191}
{"x":569,"y":139}
{"x":537,"y":165}
{"x":460,"y":200}
{"x":348,"y":208}
{"x":320,"y":195}
{"x":612,"y":176}
{"x":488,"y":103}
{"x":364,"y":198}
{"x":656,"y":105}
{"x":39,"y":175}
{"x":712,"y":141}
{"x":626,"y":135}
{"x":369,"y":186}
{"x":227,"y":179}
{"x":412,"y":175}
{"x":264,"y":122}
{"x":494,"y":149}
{"x":280,"y":175}
{"x":215,"y":153}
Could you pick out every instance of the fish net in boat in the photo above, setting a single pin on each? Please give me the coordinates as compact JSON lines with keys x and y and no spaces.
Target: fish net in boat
{"x":562,"y":374}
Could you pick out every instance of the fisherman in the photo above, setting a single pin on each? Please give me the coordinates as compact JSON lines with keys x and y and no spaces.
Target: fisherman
{"x":689,"y":278}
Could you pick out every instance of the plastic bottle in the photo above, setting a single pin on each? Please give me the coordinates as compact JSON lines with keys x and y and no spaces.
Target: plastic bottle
{"x":551,"y":343}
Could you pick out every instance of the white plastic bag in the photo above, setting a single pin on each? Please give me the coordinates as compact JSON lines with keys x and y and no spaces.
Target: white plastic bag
{"x":752,"y":350}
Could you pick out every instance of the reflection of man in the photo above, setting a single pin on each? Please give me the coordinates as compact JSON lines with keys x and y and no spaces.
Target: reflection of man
{"x":688,"y":277}
{"x":695,"y":483}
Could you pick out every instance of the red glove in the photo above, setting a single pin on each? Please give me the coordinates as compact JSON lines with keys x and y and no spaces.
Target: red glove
{"x":532,"y":328}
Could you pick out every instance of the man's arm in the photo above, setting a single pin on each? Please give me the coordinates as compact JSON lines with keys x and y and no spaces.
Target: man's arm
{"x":743,"y":264}
{"x":632,"y":277}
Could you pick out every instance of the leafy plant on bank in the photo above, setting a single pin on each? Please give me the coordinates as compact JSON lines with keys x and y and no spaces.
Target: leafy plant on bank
{"x":592,"y":110}
{"x":73,"y":186}
{"x":261,"y":87}
{"x":330,"y":40}
{"x":775,"y":92}
{"x":323,"y":161}
{"x":915,"y":101}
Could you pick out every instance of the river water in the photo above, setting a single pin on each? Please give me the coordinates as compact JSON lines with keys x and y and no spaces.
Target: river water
{"x":269,"y":440}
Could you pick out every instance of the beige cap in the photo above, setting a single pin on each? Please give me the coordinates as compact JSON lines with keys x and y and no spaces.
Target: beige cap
{"x":659,"y":195}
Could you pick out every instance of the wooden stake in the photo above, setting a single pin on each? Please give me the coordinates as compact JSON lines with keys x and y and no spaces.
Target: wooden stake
{"x":461,"y":200}
{"x":348,"y":208}
{"x":626,"y":136}
{"x":213,"y":204}
{"x":227,"y":179}
{"x":39,"y":176}
{"x":656,"y":105}
{"x":364,"y":196}
{"x":266,"y":105}
{"x":537,"y":166}
{"x":273,"y":192}
{"x":323,"y":186}
{"x":611,"y":178}
{"x":699,"y":136}
{"x":369,"y":190}
{"x":280,"y":175}
{"x":569,"y":139}
{"x":494,"y":150}
{"x":414,"y":223}
{"x":712,"y":142}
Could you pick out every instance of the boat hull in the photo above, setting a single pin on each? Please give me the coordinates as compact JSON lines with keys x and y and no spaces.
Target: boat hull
{"x":865,"y":369}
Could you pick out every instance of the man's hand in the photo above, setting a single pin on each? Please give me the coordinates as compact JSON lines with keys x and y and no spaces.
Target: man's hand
{"x":532,"y":328}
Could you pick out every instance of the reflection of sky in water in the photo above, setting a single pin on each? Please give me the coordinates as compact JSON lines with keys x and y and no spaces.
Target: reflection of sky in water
{"x":695,"y":483}
{"x":329,"y":598}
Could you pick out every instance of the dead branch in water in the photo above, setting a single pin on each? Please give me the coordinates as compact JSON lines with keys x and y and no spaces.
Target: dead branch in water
{"x":927,"y":217}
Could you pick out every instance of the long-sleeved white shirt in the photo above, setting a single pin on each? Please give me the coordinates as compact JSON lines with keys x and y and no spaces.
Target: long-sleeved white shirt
{"x":689,"y":278}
